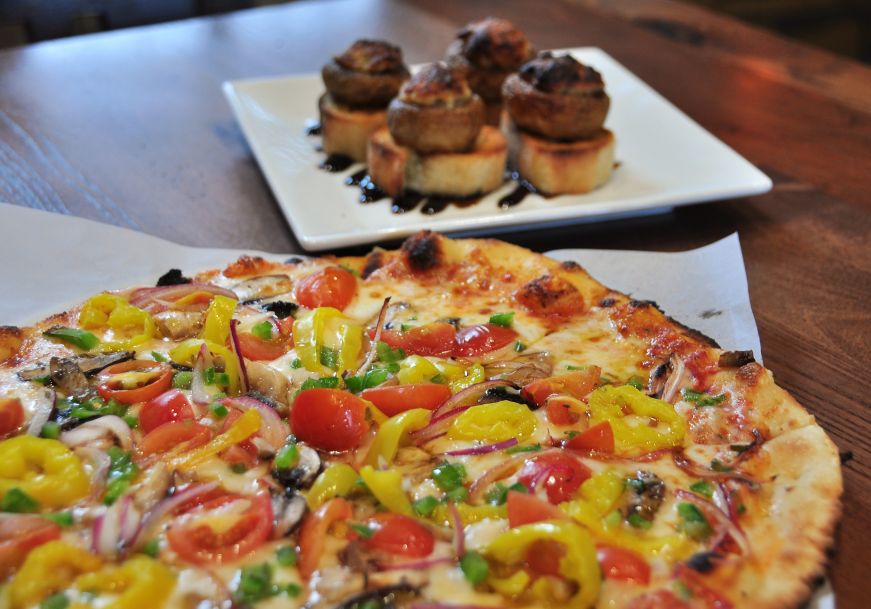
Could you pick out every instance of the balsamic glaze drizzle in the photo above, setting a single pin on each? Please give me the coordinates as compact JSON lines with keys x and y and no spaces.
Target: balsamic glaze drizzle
{"x":312,"y":129}
{"x":337,"y":162}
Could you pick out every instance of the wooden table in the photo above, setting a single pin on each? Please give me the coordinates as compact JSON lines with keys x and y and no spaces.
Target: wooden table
{"x":131,"y":128}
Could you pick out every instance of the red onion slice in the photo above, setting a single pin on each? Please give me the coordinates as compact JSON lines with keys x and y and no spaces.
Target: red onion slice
{"x":199,"y":393}
{"x":502,"y":470}
{"x":113,"y":532}
{"x":723,"y":525}
{"x":97,"y":428}
{"x":237,"y":351}
{"x":168,"y":505}
{"x":482,"y":450}
{"x":459,"y":530}
{"x":155,"y":300}
{"x":101,"y":463}
{"x":459,"y":398}
{"x":272,"y":428}
{"x":691,"y":467}
{"x":373,"y":344}
{"x":416,"y":565}
{"x":41,"y":412}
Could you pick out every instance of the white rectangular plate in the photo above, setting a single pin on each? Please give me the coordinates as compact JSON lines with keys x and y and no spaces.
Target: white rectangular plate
{"x":665,"y":159}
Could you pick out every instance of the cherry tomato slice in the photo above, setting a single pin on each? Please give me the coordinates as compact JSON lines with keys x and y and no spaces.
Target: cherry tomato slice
{"x":561,"y":475}
{"x":543,"y":557}
{"x":11,"y":415}
{"x":19,"y":534}
{"x":401,"y":535}
{"x":312,"y":535}
{"x":561,"y":412}
{"x":149,"y":380}
{"x":186,"y":435}
{"x":483,"y":338}
{"x":598,"y":437}
{"x":624,"y":565}
{"x":329,"y":287}
{"x":203,"y":545}
{"x":435,"y":339}
{"x":524,"y":508}
{"x":244,"y":452}
{"x":392,"y":400}
{"x":257,"y":349}
{"x":576,"y":384}
{"x":169,"y":406}
{"x":329,"y":419}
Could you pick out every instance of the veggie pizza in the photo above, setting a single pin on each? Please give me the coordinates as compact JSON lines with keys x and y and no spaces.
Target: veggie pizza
{"x":452,"y":425}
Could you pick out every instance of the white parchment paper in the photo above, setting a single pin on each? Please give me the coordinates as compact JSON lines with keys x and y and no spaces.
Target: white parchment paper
{"x":52,"y":261}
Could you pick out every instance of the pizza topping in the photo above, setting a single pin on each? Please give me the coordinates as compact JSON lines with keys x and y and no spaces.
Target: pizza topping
{"x":559,"y":473}
{"x":495,"y":422}
{"x":329,"y":419}
{"x":337,"y":480}
{"x":134,"y":381}
{"x":128,"y":325}
{"x":288,"y":511}
{"x":394,"y":432}
{"x":550,"y":295}
{"x":398,"y":535}
{"x":625,"y":565}
{"x":43,"y":469}
{"x":701,"y":520}
{"x":88,"y":364}
{"x":11,"y":416}
{"x":386,"y":486}
{"x":332,"y":287}
{"x":435,"y":339}
{"x":315,"y":527}
{"x":82,"y":339}
{"x":483,"y":338}
{"x":577,"y":384}
{"x":577,"y":565}
{"x":327,"y":342}
{"x":646,"y":493}
{"x":394,"y":399}
{"x":181,"y":297}
{"x":522,"y":369}
{"x":66,"y":375}
{"x":47,"y":569}
{"x":218,"y":357}
{"x":301,"y":472}
{"x":639,"y":423}
{"x":21,"y":534}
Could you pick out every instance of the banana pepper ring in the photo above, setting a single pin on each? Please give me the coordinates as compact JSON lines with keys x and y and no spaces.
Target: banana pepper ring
{"x":47,"y":569}
{"x":114,"y":312}
{"x":45,"y":469}
{"x":216,"y":329}
{"x":578,"y":564}
{"x":335,"y":481}
{"x":640,"y":423}
{"x":326,"y":327}
{"x":391,"y":434}
{"x":186,"y":352}
{"x":242,"y":428}
{"x":140,"y":583}
{"x":387,"y":487}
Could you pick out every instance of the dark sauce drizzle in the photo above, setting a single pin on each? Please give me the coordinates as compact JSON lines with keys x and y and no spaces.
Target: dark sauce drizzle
{"x":370,"y":192}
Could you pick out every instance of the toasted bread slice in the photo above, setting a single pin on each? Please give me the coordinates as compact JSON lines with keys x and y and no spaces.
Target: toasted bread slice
{"x":346,"y":131}
{"x":455,"y":174}
{"x":555,"y":167}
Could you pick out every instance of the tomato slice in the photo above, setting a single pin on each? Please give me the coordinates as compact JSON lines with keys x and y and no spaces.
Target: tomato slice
{"x":134,"y":381}
{"x":435,"y":339}
{"x":524,"y":508}
{"x":203,"y":545}
{"x":561,"y":412}
{"x":20,"y":534}
{"x":244,"y":452}
{"x":329,"y":287}
{"x":598,"y":437}
{"x":169,"y":406}
{"x":543,"y":557}
{"x":624,"y":565}
{"x":401,"y":535}
{"x":483,"y":338}
{"x":560,"y":473}
{"x":11,"y":415}
{"x":180,"y":435}
{"x":255,"y":348}
{"x":392,"y":400}
{"x":312,"y":535}
{"x":329,"y":419}
{"x":576,"y":384}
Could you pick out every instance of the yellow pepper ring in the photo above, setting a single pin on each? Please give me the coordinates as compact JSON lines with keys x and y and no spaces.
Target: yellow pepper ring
{"x":242,"y":428}
{"x":578,"y":564}
{"x":141,"y":583}
{"x":392,"y":432}
{"x":45,"y":469}
{"x":49,"y":568}
{"x":114,"y":312}
{"x":326,"y":327}
{"x":494,"y":422}
{"x":335,"y":481}
{"x":387,"y":487}
{"x":186,"y":352}
{"x":631,"y":413}
{"x":216,"y":328}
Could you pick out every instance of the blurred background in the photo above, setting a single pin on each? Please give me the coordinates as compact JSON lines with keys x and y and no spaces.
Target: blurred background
{"x":841,"y":26}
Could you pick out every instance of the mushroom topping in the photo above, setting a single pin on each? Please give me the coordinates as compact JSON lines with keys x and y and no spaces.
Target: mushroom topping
{"x":88,"y":364}
{"x":487,"y":52}
{"x":521,"y":370}
{"x":436,"y":111}
{"x":367,"y":75}
{"x":268,"y":382}
{"x":381,"y":598}
{"x":179,"y":325}
{"x":666,"y":380}
{"x":303,"y":473}
{"x":67,"y":376}
{"x":557,"y":98}
{"x":262,"y":287}
{"x":288,"y":511}
{"x":646,"y":492}
{"x":735,"y":359}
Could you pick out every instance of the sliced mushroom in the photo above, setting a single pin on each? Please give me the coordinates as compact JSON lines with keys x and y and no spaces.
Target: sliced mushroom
{"x":43,"y":405}
{"x":66,"y":374}
{"x":267,"y":381}
{"x":735,"y":359}
{"x":88,"y":364}
{"x":288,"y":511}
{"x":523,"y":369}
{"x":153,"y":487}
{"x":179,"y":325}
{"x":262,"y":287}
{"x":301,"y":475}
{"x":646,"y":493}
{"x":666,"y":380}
{"x":383,"y":597}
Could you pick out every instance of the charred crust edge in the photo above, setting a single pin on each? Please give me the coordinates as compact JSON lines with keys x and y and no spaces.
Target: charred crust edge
{"x":374,"y":261}
{"x":692,"y":333}
{"x":422,"y":251}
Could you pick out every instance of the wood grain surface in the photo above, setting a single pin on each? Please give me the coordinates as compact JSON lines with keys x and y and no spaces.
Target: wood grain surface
{"x":130,"y":128}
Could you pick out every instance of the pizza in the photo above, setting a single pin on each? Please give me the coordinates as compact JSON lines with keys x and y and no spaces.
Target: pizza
{"x":451,"y":425}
